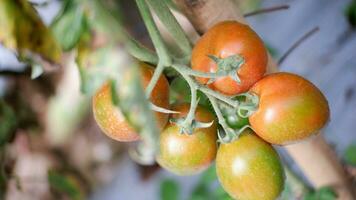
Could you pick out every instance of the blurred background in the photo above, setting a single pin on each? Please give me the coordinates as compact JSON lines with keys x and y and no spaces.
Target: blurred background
{"x":56,"y":150}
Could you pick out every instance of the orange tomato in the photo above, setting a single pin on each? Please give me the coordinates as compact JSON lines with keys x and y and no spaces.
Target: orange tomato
{"x":290,"y":108}
{"x":111,"y":120}
{"x":185,"y":154}
{"x":226,"y":39}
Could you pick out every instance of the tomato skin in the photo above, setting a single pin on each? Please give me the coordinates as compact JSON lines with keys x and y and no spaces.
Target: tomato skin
{"x":185,"y":154}
{"x":291,"y":108}
{"x":111,"y":120}
{"x":226,"y":39}
{"x":249,"y":168}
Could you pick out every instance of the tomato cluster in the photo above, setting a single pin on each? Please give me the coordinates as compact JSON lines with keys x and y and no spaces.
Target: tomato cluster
{"x":289,"y":108}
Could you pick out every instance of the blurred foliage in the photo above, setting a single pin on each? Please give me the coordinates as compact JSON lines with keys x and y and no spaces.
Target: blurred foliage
{"x":272,"y":50}
{"x":8,"y":122}
{"x":323,"y":193}
{"x":69,"y":24}
{"x":350,"y":13}
{"x":169,"y":190}
{"x":95,"y":65}
{"x":350,"y":154}
{"x":65,"y":184}
{"x":23,"y":31}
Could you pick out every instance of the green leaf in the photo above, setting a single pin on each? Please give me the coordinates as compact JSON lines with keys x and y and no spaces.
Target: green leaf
{"x":323,"y":193}
{"x":169,"y":190}
{"x":69,"y":25}
{"x":8,"y":122}
{"x":23,"y":31}
{"x":350,"y":13}
{"x":209,"y":175}
{"x":201,"y":192}
{"x":65,"y":184}
{"x":272,"y":50}
{"x":220,"y":193}
{"x":350,"y":154}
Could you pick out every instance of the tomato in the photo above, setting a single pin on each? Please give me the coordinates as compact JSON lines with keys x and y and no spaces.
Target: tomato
{"x":290,"y":108}
{"x":249,"y":168}
{"x":185,"y":154}
{"x":226,"y":39}
{"x":111,"y":120}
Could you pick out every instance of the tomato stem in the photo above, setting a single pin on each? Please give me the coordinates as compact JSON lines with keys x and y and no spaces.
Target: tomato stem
{"x":185,"y":70}
{"x":228,"y":66}
{"x":140,"y":52}
{"x":170,"y":22}
{"x":228,"y":133}
{"x":155,"y":77}
{"x":154,"y":33}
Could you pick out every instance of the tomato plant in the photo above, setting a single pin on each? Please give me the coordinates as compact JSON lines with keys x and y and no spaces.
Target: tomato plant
{"x":249,"y":168}
{"x":290,"y":108}
{"x":235,"y":49}
{"x":186,"y":154}
{"x":111,"y":120}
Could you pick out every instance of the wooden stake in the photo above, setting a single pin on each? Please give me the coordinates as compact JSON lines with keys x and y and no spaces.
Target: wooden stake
{"x":314,"y":156}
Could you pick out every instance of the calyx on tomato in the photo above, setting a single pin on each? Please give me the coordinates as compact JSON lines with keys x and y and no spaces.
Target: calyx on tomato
{"x":188,"y":128}
{"x":228,"y":66}
{"x":237,"y":118}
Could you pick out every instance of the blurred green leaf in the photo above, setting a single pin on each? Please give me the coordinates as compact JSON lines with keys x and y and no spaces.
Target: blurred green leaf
{"x":23,"y":31}
{"x":65,"y":185}
{"x":201,"y":192}
{"x":108,"y":61}
{"x":169,"y":190}
{"x":206,"y":189}
{"x":272,"y":50}
{"x":96,"y":66}
{"x":209,"y":175}
{"x":69,"y":24}
{"x":324,"y":193}
{"x":8,"y":122}
{"x":220,"y":193}
{"x":350,"y":13}
{"x":350,"y":154}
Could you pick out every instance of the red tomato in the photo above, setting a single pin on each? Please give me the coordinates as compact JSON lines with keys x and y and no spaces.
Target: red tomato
{"x":111,"y":120}
{"x":226,"y":39}
{"x":290,"y":109}
{"x":185,"y":154}
{"x":249,"y":168}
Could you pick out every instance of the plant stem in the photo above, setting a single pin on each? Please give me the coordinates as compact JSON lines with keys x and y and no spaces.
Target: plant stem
{"x":222,"y":121}
{"x":193,"y":100}
{"x":167,"y":18}
{"x":154,"y":33}
{"x":203,"y":88}
{"x":158,"y":72}
{"x":192,"y":72}
{"x":219,"y":96}
{"x":140,"y":52}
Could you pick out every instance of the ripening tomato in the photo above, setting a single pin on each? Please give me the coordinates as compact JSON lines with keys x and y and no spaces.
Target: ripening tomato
{"x":111,"y":120}
{"x":185,"y":154}
{"x":249,"y":168}
{"x":290,"y":108}
{"x":227,"y":39}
